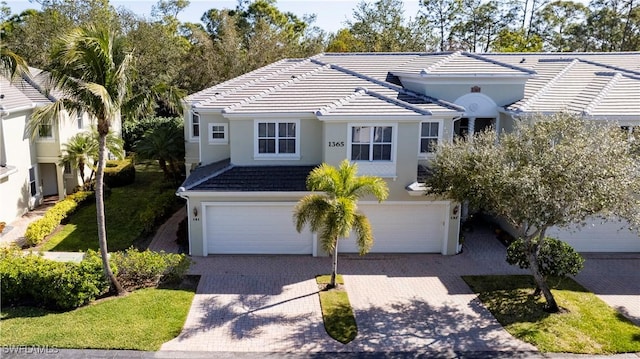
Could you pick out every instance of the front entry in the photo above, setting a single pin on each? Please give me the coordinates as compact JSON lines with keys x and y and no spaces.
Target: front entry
{"x":49,"y":179}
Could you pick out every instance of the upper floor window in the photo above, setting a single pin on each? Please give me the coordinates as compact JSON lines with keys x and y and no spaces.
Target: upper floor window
{"x":277,"y":138}
{"x":79,"y":120}
{"x":218,"y":134}
{"x":195,"y":125}
{"x":371,"y":143}
{"x":429,"y":136}
{"x":45,"y":131}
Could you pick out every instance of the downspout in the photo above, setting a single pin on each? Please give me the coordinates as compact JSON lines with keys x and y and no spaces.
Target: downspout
{"x":180,"y":193}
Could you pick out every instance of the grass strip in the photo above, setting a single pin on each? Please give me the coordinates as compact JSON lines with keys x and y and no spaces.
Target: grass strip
{"x":141,"y":320}
{"x":585,"y":324}
{"x":339,"y":321}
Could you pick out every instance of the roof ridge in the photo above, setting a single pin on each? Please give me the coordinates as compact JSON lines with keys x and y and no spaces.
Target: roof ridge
{"x":616,"y":68}
{"x":548,"y":85}
{"x":262,"y":78}
{"x":441,"y":62}
{"x":603,"y":92}
{"x":276,"y":87}
{"x":359,"y":91}
{"x":210,"y":88}
{"x":398,"y":102}
{"x":500,"y":63}
{"x":388,"y":85}
{"x":31,"y":81}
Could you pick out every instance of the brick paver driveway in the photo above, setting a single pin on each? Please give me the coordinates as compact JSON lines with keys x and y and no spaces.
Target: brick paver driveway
{"x":401,"y":302}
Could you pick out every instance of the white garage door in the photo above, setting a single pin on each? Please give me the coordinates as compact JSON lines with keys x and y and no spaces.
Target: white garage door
{"x":403,"y":228}
{"x":613,"y":236}
{"x":257,"y":228}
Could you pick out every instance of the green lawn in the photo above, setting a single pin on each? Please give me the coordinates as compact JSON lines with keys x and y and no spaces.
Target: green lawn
{"x":585,"y":324}
{"x":141,"y":320}
{"x":339,"y":321}
{"x":123,"y":208}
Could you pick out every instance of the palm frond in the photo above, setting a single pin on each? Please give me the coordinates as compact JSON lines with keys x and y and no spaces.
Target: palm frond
{"x":49,"y":114}
{"x":364,"y":235}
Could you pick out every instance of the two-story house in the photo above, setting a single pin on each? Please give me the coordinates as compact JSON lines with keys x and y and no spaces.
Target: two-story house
{"x":29,"y":166}
{"x":251,"y":141}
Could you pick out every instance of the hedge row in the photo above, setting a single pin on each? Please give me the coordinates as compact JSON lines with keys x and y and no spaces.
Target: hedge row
{"x":148,"y":269}
{"x":32,"y":279}
{"x":158,"y":207}
{"x":119,"y":173}
{"x":39,"y":229}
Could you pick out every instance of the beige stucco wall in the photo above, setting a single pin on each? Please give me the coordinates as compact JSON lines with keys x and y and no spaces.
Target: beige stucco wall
{"x":212,"y":152}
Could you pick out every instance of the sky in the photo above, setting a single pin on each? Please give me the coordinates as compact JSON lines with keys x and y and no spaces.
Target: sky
{"x":331,"y":14}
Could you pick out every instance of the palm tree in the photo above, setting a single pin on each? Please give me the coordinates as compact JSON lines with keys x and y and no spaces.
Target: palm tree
{"x":164,"y":143}
{"x":92,"y":71}
{"x":12,"y":65}
{"x":82,"y":150}
{"x":77,"y":153}
{"x":334,"y":213}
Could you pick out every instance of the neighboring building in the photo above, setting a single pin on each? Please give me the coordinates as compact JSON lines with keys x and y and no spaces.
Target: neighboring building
{"x":251,"y":141}
{"x":29,"y":169}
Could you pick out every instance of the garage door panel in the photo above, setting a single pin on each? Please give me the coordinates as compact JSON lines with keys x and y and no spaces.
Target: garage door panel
{"x":254,"y":229}
{"x":402,"y":229}
{"x":595,"y":236}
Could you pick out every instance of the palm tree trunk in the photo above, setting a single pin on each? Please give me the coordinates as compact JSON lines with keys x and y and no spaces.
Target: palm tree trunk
{"x":334,"y":273}
{"x":102,"y":230}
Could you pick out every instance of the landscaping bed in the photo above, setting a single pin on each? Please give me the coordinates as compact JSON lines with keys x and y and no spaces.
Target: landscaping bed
{"x":585,"y":324}
{"x":339,"y":321}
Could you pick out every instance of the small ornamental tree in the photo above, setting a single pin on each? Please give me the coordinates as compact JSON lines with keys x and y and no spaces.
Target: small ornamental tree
{"x":550,"y":171}
{"x":334,"y":213}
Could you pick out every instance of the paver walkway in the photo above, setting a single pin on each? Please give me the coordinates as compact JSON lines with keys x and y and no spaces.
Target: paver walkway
{"x":401,"y":302}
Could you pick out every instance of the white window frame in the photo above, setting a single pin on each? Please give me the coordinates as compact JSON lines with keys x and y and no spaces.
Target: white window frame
{"x":420,"y":137}
{"x":192,"y":136}
{"x":225,"y":132}
{"x":47,"y":138}
{"x":372,"y":126}
{"x":279,"y":156}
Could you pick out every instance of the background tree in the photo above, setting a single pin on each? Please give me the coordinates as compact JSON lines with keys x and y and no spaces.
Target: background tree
{"x":380,"y":27}
{"x":559,"y":24}
{"x":164,"y":142}
{"x":92,"y":71}
{"x":440,"y":16}
{"x":334,"y":214}
{"x":556,"y":171}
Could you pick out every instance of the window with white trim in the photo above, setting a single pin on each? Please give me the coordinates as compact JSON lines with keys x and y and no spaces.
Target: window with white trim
{"x":218,"y":134}
{"x":79,"y":120}
{"x":429,"y":137}
{"x":45,"y":131}
{"x":371,"y":143}
{"x":32,"y":181}
{"x":195,"y":125}
{"x":277,"y":138}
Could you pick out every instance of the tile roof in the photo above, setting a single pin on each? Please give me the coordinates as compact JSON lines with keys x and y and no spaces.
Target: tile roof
{"x":366,"y":83}
{"x":256,"y":178}
{"x":23,"y":92}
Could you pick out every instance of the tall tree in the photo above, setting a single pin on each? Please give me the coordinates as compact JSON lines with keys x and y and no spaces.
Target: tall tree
{"x":481,"y":22}
{"x":164,"y":143}
{"x":440,"y":16}
{"x":334,"y":213}
{"x":555,"y":171}
{"x":381,"y":27}
{"x":557,"y":23}
{"x":92,"y":71}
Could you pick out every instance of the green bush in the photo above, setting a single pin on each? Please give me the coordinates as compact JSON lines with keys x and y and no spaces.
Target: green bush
{"x":119,"y":173}
{"x":137,"y":269}
{"x":39,"y":229}
{"x":32,"y":279}
{"x":159,"y":207}
{"x":556,"y":258}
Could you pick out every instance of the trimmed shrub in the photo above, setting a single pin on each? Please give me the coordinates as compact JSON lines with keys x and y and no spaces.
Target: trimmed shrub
{"x":119,"y":173}
{"x":556,"y":258}
{"x":137,"y":269}
{"x":35,"y":280}
{"x":158,"y":208}
{"x":39,"y":229}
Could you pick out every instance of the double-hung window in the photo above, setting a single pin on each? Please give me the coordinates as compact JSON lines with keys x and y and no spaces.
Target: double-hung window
{"x":277,"y":138}
{"x":45,"y":131}
{"x":371,"y":143}
{"x":429,"y":136}
{"x":195,"y":125}
{"x":218,"y":134}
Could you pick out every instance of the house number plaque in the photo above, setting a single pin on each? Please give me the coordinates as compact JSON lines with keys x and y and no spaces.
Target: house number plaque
{"x":336,"y":144}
